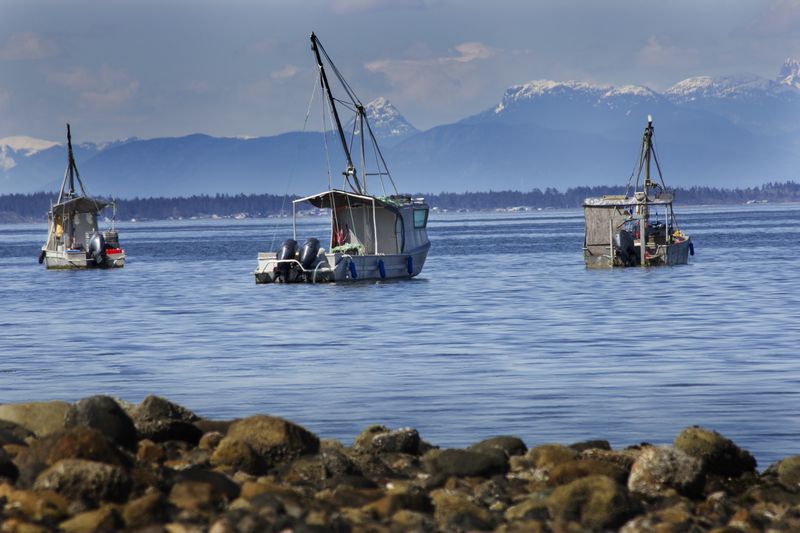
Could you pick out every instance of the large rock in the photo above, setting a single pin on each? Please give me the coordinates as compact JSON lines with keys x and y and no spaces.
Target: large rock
{"x":455,"y":512}
{"x":549,"y":455}
{"x":274,"y":439}
{"x":87,"y":481}
{"x":568,"y":472}
{"x":660,"y":469}
{"x":73,"y":443}
{"x":40,"y":418}
{"x":97,"y":521}
{"x":457,"y":462}
{"x":7,"y":467}
{"x":159,"y":420}
{"x":104,"y":414}
{"x":238,"y":455}
{"x":720,"y":455}
{"x":509,"y":445}
{"x":39,"y":505}
{"x":13,"y":433}
{"x":380,"y":439}
{"x":596,"y":502}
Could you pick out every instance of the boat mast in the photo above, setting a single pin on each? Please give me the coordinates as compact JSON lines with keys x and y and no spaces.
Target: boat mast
{"x":648,"y":147}
{"x":351,"y":170}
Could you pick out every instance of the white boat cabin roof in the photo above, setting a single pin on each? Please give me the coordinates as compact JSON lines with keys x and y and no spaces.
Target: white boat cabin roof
{"x":331,"y":198}
{"x":625,"y":201}
{"x":82,"y":204}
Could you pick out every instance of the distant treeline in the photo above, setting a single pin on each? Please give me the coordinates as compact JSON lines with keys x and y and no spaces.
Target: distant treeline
{"x":34,"y":207}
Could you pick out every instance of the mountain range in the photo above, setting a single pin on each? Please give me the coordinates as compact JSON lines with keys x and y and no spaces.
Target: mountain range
{"x":717,"y":131}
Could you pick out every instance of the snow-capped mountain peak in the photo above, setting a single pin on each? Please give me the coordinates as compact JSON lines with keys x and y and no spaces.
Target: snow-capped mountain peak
{"x":599,"y":94}
{"x":790,"y":73}
{"x":386,"y":121}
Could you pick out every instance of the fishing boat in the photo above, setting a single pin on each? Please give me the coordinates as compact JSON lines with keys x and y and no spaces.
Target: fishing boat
{"x":73,"y":238}
{"x":372,"y":237}
{"x":637,"y":228}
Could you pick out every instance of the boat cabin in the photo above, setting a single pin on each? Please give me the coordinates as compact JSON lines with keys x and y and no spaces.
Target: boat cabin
{"x":367,"y":225}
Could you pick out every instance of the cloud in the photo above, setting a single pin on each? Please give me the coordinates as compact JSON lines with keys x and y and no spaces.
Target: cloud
{"x":27,"y":46}
{"x":285,"y":73}
{"x":355,"y":6}
{"x":6,"y":161}
{"x":657,"y":54}
{"x":106,"y":87}
{"x":455,"y":76}
{"x":778,"y":17}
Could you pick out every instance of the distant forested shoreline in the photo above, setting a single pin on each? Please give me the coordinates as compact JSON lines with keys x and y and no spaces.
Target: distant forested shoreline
{"x":34,"y":207}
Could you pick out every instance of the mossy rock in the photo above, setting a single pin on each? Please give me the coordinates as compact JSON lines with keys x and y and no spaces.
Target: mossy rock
{"x":596,"y":502}
{"x":550,"y":455}
{"x":719,"y":454}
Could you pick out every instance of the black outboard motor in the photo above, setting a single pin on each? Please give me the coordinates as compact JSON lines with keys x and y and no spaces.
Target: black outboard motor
{"x":288,"y":251}
{"x":97,"y":248}
{"x":112,"y":238}
{"x":308,"y":255}
{"x":623,"y":243}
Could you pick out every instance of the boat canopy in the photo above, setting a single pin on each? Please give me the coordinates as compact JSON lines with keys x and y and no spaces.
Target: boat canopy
{"x":333,"y":198}
{"x":82,"y":204}
{"x":625,"y":201}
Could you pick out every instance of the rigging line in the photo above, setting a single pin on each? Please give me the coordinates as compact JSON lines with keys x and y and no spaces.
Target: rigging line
{"x":325,"y":142}
{"x":294,"y":165}
{"x":345,"y":85}
{"x":380,"y":154}
{"x":658,"y":167}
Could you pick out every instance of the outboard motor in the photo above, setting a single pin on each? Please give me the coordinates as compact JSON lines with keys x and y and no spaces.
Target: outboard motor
{"x":112,"y":239}
{"x":97,"y":248}
{"x":287,"y":251}
{"x":309,"y":252}
{"x":626,"y":249}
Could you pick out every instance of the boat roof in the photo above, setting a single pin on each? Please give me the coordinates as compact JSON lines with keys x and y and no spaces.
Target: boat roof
{"x":329,"y":199}
{"x":622,"y":200}
{"x":82,"y":204}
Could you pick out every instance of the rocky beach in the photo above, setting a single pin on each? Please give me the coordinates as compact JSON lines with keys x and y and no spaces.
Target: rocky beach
{"x":101,"y":464}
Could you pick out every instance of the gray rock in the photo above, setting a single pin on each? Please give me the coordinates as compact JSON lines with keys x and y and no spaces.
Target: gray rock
{"x":104,"y":414}
{"x":661,"y":468}
{"x":89,"y":481}
{"x":40,"y":418}
{"x":464,"y":463}
{"x":160,"y":420}
{"x":380,"y":439}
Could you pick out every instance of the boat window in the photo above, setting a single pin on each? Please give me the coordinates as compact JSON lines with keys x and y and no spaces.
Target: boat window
{"x":420,"y":218}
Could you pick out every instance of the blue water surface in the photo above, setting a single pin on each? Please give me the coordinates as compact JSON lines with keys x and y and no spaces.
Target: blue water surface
{"x":505,"y":331}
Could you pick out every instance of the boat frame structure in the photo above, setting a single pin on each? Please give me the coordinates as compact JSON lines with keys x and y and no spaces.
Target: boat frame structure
{"x":638,"y":229}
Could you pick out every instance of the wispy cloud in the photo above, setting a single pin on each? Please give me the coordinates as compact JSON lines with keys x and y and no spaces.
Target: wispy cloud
{"x":285,"y":73}
{"x":106,"y":87}
{"x":778,"y":17}
{"x":452,"y":76}
{"x":657,"y":54}
{"x":27,"y":46}
{"x":355,"y":6}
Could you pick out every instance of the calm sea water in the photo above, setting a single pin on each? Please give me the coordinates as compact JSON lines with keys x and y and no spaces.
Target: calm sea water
{"x":505,"y":332}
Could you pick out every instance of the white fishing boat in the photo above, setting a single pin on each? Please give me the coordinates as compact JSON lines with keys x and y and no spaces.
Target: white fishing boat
{"x":73,"y":238}
{"x":638,"y":229}
{"x":372,"y":237}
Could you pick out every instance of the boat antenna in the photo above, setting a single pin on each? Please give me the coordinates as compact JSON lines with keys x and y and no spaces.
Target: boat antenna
{"x":351,"y":169}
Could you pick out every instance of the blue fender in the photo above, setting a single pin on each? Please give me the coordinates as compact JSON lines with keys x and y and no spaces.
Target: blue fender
{"x":382,"y":268}
{"x":410,"y":265}
{"x":691,"y":248}
{"x":353,"y":273}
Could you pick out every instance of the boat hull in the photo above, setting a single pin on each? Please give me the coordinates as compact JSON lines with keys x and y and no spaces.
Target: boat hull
{"x":57,"y":260}
{"x":676,"y":253}
{"x":340,"y":268}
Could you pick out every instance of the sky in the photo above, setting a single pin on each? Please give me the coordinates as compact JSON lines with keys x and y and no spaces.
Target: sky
{"x":123,"y":68}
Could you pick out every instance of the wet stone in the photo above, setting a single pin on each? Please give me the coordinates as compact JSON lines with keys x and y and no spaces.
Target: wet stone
{"x":104,"y":414}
